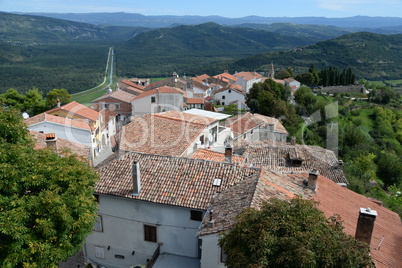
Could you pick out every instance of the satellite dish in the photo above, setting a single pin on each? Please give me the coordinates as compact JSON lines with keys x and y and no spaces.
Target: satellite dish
{"x":25,"y":115}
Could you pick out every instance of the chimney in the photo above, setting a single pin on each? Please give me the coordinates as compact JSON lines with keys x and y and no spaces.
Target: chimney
{"x":136,"y":178}
{"x":58,"y":103}
{"x":365,"y":225}
{"x":293,"y":140}
{"x":312,"y":179}
{"x":228,"y":153}
{"x":51,"y":141}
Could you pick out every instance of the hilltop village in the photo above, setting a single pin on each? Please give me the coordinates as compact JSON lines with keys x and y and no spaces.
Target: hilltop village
{"x":174,"y":171}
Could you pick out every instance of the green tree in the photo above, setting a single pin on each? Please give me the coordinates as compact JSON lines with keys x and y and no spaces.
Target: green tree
{"x":13,"y":99}
{"x":291,"y":234}
{"x":34,"y":102}
{"x":57,"y":94}
{"x":46,"y":201}
{"x":282,"y":74}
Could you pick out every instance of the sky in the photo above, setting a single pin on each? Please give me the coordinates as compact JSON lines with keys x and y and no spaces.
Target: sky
{"x":224,"y":8}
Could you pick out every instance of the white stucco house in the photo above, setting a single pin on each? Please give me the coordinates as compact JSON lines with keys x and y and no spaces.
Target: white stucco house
{"x":158,"y":100}
{"x":151,"y":207}
{"x":230,"y":94}
{"x":247,"y":79}
{"x":75,"y":130}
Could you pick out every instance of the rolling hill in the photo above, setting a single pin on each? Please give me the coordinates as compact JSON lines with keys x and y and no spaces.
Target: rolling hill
{"x":371,"y":56}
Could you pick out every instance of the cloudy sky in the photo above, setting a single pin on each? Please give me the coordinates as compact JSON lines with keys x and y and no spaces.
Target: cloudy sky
{"x":225,"y":8}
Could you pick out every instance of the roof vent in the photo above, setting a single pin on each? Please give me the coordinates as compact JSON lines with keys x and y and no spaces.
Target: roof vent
{"x":217,"y":182}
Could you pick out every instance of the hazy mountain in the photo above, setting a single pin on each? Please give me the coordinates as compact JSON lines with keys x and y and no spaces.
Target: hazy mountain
{"x":29,"y":29}
{"x":213,"y":37}
{"x":133,"y":19}
{"x":371,"y":56}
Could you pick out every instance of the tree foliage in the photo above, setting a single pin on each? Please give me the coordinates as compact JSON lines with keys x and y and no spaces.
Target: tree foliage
{"x":291,"y":234}
{"x":57,"y":94}
{"x":46,"y":201}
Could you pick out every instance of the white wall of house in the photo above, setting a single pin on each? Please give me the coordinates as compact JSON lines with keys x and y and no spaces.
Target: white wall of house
{"x":227,"y":96}
{"x":73,"y":134}
{"x":269,"y":133}
{"x":156,"y":103}
{"x":210,"y":252}
{"x":198,"y":91}
{"x":247,"y":84}
{"x":123,"y":230}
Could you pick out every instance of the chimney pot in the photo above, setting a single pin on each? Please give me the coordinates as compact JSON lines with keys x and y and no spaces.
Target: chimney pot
{"x":228,"y":153}
{"x":365,"y":225}
{"x":58,"y":103}
{"x":293,"y":140}
{"x":51,"y":141}
{"x":312,"y":179}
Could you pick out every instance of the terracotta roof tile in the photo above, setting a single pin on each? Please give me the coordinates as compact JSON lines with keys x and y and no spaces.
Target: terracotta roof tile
{"x":44,"y":117}
{"x":157,"y":134}
{"x":79,"y":109}
{"x":187,"y":117}
{"x":163,"y":89}
{"x":195,"y":101}
{"x":245,"y":122}
{"x":117,"y":94}
{"x":251,"y":192}
{"x":132,"y":84}
{"x":226,"y":77}
{"x":280,"y":156}
{"x":209,"y":155}
{"x":335,"y":199}
{"x":248,"y":75}
{"x":170,"y":180}
{"x":79,"y":149}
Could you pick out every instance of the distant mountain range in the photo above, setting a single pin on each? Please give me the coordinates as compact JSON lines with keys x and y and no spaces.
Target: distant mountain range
{"x":357,"y":23}
{"x":32,"y":47}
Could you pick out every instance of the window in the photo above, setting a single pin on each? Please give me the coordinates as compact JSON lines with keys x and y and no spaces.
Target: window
{"x":150,"y":233}
{"x":223,"y":103}
{"x":230,"y":90}
{"x":96,"y":198}
{"x":98,"y":224}
{"x":153,"y":100}
{"x":104,"y":105}
{"x":196,"y":215}
{"x":223,"y":256}
{"x":202,"y":139}
{"x":223,"y":97}
{"x":117,"y":106}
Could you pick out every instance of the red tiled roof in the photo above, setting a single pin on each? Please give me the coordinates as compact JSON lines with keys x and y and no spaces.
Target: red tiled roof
{"x":163,"y":89}
{"x":170,"y":180}
{"x":248,"y":75}
{"x":209,"y":155}
{"x":195,"y":101}
{"x":226,"y":77}
{"x":187,"y":117}
{"x":279,"y":156}
{"x":78,"y":109}
{"x":251,"y":192}
{"x":245,"y":122}
{"x":118,"y":95}
{"x":79,"y":149}
{"x":236,"y":88}
{"x":387,"y":232}
{"x":44,"y":117}
{"x":132,"y":84}
{"x":158,"y":134}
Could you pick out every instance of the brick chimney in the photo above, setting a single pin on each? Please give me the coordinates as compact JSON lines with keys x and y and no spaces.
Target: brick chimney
{"x":228,"y":153}
{"x":312,"y":179}
{"x":293,"y":140}
{"x":136,"y":178}
{"x":365,"y":225}
{"x":51,"y":141}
